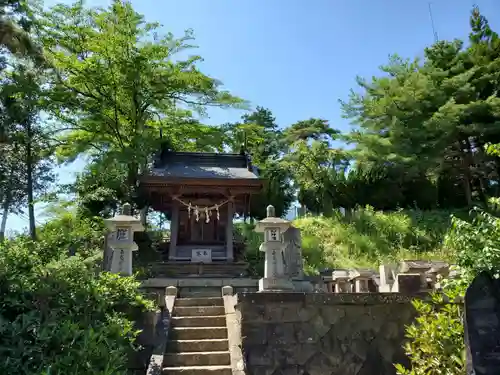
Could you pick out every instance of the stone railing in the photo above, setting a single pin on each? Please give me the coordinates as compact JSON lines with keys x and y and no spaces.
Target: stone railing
{"x":408,"y":277}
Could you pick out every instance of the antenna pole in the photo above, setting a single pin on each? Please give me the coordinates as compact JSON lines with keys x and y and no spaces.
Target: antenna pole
{"x":436,"y":39}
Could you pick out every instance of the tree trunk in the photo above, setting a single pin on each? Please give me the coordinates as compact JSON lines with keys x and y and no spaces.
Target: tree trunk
{"x":467,"y":190}
{"x":29,"y":182}
{"x":131,"y":180}
{"x":5,"y":208}
{"x":465,"y":163}
{"x":144,"y":216}
{"x":3,"y":224}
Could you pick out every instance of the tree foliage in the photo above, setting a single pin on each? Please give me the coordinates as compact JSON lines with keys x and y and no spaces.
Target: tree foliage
{"x":259,"y":136}
{"x":432,"y":118}
{"x":16,"y":21}
{"x":26,"y":170}
{"x":119,"y":85}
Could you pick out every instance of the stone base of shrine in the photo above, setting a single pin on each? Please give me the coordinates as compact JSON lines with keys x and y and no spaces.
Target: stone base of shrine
{"x":178,"y":269}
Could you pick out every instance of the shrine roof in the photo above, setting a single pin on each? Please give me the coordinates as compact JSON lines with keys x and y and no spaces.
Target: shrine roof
{"x":197,"y":165}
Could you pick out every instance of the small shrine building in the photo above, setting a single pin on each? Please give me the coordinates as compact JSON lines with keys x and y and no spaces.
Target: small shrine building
{"x":201,"y":193}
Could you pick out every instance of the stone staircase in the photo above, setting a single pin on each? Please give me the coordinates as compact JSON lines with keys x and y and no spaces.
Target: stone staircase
{"x":198,"y":339}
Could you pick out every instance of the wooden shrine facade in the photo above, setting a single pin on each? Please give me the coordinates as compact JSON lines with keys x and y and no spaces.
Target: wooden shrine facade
{"x":200,"y":193}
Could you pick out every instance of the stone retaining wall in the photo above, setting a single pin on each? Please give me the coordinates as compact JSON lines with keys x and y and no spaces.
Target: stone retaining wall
{"x":323,"y":334}
{"x":147,"y":322}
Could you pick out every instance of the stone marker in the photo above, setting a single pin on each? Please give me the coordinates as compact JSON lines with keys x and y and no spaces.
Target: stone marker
{"x":482,"y":326}
{"x":120,"y":241}
{"x":275,"y":279}
{"x":292,"y":243}
{"x":294,"y":264}
{"x":387,"y":273}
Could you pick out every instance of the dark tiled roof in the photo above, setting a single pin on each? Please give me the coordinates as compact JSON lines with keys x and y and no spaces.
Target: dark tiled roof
{"x":204,"y":165}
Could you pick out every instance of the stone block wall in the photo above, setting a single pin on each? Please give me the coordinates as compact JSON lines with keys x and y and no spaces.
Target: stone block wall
{"x":323,"y":334}
{"x":146,"y":323}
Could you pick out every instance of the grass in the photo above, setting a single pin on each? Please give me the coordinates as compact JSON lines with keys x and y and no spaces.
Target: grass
{"x":367,"y":238}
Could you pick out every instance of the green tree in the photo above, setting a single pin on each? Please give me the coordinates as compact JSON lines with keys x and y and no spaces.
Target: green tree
{"x":468,"y":80}
{"x":314,"y":163}
{"x":119,"y":82}
{"x":99,"y":188}
{"x":259,"y":135}
{"x":11,"y":183}
{"x":434,"y":117}
{"x":16,"y":20}
{"x":312,"y":129}
{"x":29,"y":162}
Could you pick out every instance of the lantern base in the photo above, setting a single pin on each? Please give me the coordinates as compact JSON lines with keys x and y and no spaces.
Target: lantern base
{"x":303,"y":286}
{"x":275,"y":285}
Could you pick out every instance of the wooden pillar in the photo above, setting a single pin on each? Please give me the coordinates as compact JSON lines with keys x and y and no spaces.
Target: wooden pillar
{"x":229,"y":232}
{"x":174,"y":230}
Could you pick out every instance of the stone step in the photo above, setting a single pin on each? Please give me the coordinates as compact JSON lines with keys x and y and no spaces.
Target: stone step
{"x":198,"y":310}
{"x":197,"y":359}
{"x":198,"y":370}
{"x":199,"y":292}
{"x":206,"y":301}
{"x":176,"y":346}
{"x":198,"y":333}
{"x":199,"y":321}
{"x":181,"y":268}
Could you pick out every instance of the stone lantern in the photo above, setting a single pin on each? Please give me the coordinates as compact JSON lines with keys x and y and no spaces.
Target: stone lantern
{"x":361,"y":278}
{"x":275,"y":277}
{"x":341,"y":281}
{"x":121,"y":240}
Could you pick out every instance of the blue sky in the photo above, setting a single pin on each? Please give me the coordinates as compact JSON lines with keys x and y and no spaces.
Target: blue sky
{"x":298,"y":57}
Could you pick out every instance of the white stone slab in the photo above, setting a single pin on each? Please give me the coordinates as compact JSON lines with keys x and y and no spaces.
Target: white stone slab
{"x":275,"y":284}
{"x":201,"y":256}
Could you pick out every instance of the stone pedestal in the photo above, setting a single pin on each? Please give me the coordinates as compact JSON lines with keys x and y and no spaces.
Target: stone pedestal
{"x":121,"y":261}
{"x":275,"y":285}
{"x":302,"y":286}
{"x":275,"y":278}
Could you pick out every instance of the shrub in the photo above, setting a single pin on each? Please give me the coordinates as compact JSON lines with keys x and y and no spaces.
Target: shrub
{"x":436,"y":339}
{"x":252,"y":255}
{"x":58,"y":315}
{"x":477,"y":243}
{"x":69,"y":234}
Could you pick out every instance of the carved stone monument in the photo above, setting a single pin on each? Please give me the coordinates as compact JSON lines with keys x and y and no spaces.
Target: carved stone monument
{"x":482,"y":326}
{"x":120,"y":241}
{"x":294,"y":263}
{"x":275,"y":277}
